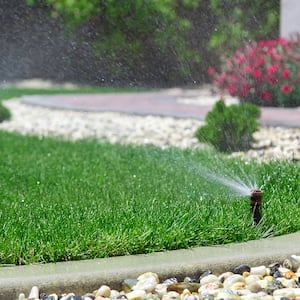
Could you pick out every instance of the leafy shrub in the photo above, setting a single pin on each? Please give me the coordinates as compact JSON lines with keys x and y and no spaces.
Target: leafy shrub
{"x":126,"y":33}
{"x":161,"y":43}
{"x":230,"y":128}
{"x":239,"y":21}
{"x":265,"y":73}
{"x":4,"y":113}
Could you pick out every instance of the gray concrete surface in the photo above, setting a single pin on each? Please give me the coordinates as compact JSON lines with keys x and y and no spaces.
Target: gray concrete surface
{"x":289,"y":18}
{"x":85,"y":276}
{"x":161,"y":103}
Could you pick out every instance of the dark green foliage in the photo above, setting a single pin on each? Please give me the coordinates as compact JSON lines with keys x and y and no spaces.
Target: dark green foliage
{"x":230,"y":128}
{"x":129,"y":34}
{"x":170,"y":42}
{"x":4,"y":113}
{"x":240,"y":21}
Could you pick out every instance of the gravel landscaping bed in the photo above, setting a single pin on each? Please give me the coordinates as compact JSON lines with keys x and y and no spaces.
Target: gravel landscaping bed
{"x":276,"y":281}
{"x":271,"y":142}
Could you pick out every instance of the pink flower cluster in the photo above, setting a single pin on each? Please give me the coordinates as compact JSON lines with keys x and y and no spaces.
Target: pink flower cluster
{"x":264,"y":73}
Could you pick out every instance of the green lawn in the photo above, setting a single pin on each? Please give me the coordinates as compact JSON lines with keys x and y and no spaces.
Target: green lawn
{"x":11,"y":92}
{"x":63,"y":200}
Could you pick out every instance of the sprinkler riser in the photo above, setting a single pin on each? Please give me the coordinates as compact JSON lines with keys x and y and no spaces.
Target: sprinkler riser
{"x":256,"y":205}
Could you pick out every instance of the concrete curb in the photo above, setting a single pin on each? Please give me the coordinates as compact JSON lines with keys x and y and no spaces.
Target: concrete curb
{"x":85,"y":276}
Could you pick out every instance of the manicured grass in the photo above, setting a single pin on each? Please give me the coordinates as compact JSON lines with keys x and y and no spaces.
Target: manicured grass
{"x":12,"y":92}
{"x":65,"y":200}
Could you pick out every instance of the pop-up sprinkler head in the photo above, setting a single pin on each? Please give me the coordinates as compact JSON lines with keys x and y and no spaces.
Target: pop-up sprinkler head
{"x":256,"y":205}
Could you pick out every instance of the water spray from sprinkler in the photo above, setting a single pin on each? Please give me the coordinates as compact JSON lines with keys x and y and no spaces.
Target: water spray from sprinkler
{"x":256,"y":205}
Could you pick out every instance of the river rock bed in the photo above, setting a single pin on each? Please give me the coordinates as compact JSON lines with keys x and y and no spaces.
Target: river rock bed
{"x":278,"y":281}
{"x":271,"y":142}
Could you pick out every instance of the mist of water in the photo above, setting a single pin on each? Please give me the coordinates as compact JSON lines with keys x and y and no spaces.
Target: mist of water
{"x":236,"y":184}
{"x":241,"y":184}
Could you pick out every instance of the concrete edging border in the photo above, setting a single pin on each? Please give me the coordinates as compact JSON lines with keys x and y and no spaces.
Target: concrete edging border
{"x":85,"y":276}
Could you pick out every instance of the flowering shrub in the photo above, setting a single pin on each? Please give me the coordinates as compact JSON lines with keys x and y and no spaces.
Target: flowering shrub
{"x":266,"y":73}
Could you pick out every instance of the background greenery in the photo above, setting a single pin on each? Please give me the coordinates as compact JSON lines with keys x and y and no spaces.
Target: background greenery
{"x":172,"y":41}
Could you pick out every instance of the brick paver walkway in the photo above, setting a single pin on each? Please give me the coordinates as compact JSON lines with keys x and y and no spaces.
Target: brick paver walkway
{"x":154,"y":103}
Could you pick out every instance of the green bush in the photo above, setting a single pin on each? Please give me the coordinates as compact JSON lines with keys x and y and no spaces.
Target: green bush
{"x":240,"y":21}
{"x":230,"y":128}
{"x":162,"y":42}
{"x":4,"y":113}
{"x":127,"y":32}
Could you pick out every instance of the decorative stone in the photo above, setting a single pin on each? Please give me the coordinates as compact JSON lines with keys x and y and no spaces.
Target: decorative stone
{"x":233,"y":279}
{"x":252,"y":279}
{"x":136,"y":295}
{"x":272,"y":286}
{"x":209,"y":293}
{"x":249,"y":296}
{"x":88,"y":297}
{"x":52,"y":297}
{"x":146,"y":282}
{"x":104,"y":291}
{"x":147,"y":275}
{"x":286,"y":292}
{"x":227,"y":295}
{"x":266,"y":297}
{"x":161,"y":289}
{"x":152,"y":297}
{"x":122,"y":297}
{"x":277,"y":274}
{"x":114,"y":294}
{"x":238,"y":286}
{"x":34,"y":293}
{"x":128,"y":283}
{"x":290,"y":275}
{"x":43,"y":296}
{"x":291,"y":263}
{"x":297,"y":291}
{"x":189,"y":297}
{"x":254,"y":287}
{"x":170,"y":280}
{"x":186,"y":292}
{"x":208,"y":287}
{"x":72,"y":297}
{"x":260,"y":270}
{"x":180,"y":287}
{"x":172,"y":295}
{"x":206,"y":273}
{"x":288,"y":283}
{"x":224,"y":276}
{"x":21,"y":296}
{"x":241,"y":269}
{"x":273,"y":268}
{"x":189,"y":279}
{"x":209,"y":279}
{"x":246,"y":274}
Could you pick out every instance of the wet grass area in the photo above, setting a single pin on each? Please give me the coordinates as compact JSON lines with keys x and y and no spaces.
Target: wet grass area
{"x":15,"y":92}
{"x":63,"y":200}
